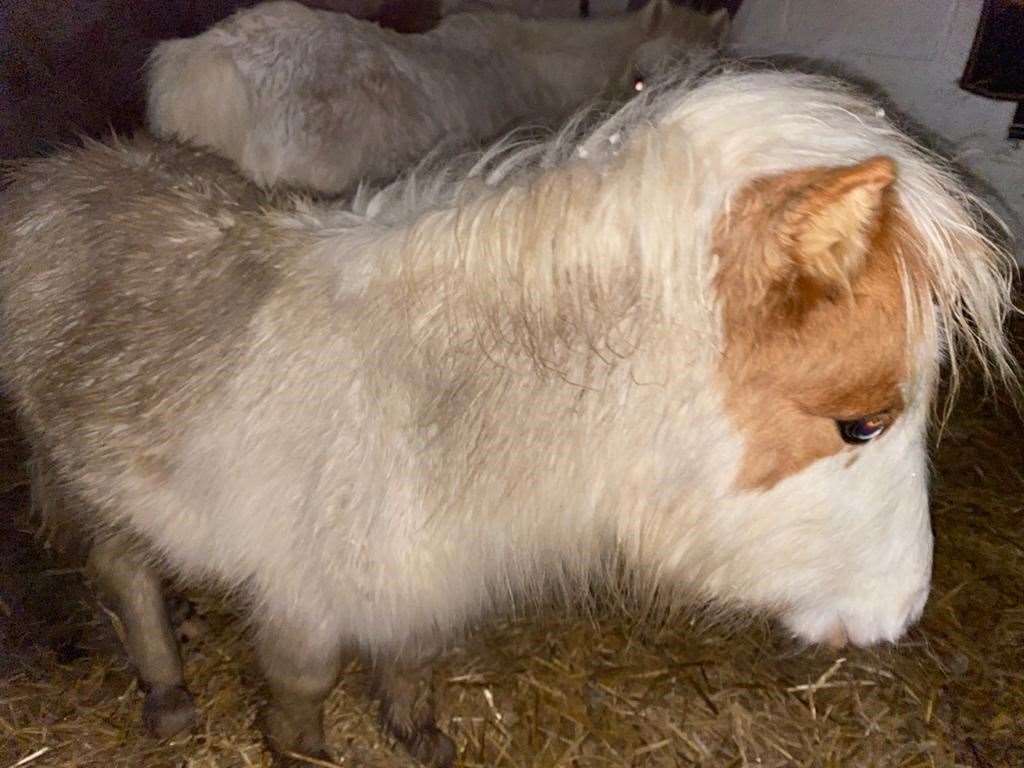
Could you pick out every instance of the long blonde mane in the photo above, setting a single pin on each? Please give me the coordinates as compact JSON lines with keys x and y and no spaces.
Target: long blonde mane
{"x":593,"y":234}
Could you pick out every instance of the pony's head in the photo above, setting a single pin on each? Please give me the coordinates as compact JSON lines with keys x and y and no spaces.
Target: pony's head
{"x":845,"y":266}
{"x":672,"y":34}
{"x":828,"y":366}
{"x":837,"y":266}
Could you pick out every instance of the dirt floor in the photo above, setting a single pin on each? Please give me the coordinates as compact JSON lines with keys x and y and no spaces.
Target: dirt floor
{"x":560,"y":691}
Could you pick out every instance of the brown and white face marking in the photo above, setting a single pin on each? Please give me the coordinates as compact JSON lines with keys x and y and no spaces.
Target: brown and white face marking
{"x":815,"y":320}
{"x":821,"y":367}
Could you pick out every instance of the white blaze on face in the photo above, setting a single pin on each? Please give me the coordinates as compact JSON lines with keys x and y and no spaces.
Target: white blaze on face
{"x":829,"y":513}
{"x":852,"y":537}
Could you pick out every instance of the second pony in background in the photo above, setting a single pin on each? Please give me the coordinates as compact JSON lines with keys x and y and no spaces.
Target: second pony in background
{"x":322,"y":100}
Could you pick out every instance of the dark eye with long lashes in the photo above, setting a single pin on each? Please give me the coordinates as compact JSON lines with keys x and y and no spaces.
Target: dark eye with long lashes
{"x":638,"y":83}
{"x":863,"y":430}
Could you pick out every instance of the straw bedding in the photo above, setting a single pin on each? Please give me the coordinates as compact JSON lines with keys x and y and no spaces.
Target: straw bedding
{"x":591,"y":691}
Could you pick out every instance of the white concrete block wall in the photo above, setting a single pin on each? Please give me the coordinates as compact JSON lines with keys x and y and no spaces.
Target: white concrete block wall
{"x":916,"y":51}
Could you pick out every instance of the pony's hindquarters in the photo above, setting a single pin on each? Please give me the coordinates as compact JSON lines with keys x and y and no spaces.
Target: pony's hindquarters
{"x":195,"y":93}
{"x":294,"y":96}
{"x":129,"y":586}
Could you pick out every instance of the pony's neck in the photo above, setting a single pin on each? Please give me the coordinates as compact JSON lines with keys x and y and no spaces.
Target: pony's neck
{"x":552,"y":265}
{"x":510,"y":263}
{"x":581,"y":56}
{"x":575,"y":58}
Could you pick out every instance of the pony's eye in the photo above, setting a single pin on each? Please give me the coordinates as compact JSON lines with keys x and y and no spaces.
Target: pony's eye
{"x":638,"y":83}
{"x":863,"y":430}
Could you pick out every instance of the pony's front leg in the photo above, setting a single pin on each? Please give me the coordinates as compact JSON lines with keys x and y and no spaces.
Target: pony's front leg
{"x":406,"y":694}
{"x":132,"y":589}
{"x":301,"y":669}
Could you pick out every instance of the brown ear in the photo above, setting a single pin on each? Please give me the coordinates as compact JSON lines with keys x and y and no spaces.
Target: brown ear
{"x":788,"y":242}
{"x":827,"y":224}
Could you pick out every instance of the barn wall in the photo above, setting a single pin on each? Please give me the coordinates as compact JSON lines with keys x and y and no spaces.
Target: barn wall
{"x":76,"y":66}
{"x":915,"y":50}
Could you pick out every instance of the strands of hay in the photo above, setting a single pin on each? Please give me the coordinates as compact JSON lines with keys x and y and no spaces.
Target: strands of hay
{"x":601,"y":692}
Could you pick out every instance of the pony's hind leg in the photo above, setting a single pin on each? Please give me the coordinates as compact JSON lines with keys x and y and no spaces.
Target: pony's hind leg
{"x":132,"y":589}
{"x":406,"y":694}
{"x":301,"y":670}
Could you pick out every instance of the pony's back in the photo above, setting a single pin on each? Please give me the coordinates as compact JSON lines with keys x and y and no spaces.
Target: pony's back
{"x":163,"y":286}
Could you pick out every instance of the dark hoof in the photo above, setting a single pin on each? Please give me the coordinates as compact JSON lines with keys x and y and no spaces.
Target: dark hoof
{"x":295,"y":760}
{"x":289,"y":741}
{"x":168,"y":710}
{"x":431,"y":746}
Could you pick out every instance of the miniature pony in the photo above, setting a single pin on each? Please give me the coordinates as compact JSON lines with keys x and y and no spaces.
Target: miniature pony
{"x":698,"y":346}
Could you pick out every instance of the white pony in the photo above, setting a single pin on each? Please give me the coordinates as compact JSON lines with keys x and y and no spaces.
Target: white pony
{"x":698,"y":346}
{"x":321,"y":100}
